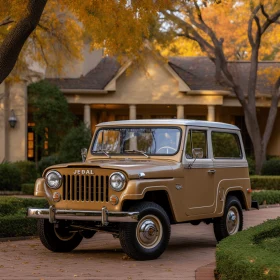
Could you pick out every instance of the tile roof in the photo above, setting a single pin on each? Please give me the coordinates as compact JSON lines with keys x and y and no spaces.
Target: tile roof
{"x":97,"y":78}
{"x":197,"y":72}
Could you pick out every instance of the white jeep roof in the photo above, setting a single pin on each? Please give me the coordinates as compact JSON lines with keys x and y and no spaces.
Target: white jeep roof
{"x":170,"y":122}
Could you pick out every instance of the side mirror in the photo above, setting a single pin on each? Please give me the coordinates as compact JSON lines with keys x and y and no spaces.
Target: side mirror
{"x":197,"y":153}
{"x":84,"y":154}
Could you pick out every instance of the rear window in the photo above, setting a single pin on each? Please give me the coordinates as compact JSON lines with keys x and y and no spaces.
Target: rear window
{"x":226,"y":145}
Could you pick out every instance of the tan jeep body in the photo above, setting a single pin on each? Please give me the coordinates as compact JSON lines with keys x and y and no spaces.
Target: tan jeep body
{"x":187,"y":189}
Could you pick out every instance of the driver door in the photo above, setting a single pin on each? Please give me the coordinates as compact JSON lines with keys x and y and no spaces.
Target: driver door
{"x":199,"y":173}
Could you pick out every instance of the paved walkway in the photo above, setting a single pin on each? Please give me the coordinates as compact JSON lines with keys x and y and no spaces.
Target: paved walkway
{"x":190,"y":248}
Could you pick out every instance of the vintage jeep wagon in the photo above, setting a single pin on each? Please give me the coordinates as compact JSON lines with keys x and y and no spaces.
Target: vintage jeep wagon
{"x":141,"y":176}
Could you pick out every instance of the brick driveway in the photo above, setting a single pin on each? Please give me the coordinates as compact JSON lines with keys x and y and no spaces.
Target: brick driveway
{"x":101,"y":257}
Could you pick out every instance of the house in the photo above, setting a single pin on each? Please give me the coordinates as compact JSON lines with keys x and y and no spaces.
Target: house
{"x":100,"y":89}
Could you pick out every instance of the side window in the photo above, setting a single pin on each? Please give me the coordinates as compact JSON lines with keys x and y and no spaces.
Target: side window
{"x":196,"y":139}
{"x":226,"y":145}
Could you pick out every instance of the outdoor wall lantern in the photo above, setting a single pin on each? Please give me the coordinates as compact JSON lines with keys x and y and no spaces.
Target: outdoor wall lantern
{"x":12,"y":119}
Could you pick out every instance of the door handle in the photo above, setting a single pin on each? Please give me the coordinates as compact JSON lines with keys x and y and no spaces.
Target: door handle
{"x":211,"y":171}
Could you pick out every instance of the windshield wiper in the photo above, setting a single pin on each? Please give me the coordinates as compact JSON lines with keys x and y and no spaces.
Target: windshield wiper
{"x":103,"y":151}
{"x":136,"y":151}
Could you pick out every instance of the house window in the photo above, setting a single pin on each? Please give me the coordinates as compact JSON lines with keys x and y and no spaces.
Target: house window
{"x":31,"y":142}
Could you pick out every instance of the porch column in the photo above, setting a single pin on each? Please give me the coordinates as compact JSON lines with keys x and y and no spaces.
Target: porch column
{"x":180,"y":112}
{"x":17,"y":136}
{"x":87,"y":115}
{"x":211,"y":113}
{"x":132,"y":112}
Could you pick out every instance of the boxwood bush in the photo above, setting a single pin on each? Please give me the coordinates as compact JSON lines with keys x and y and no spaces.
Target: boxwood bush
{"x":9,"y":177}
{"x":27,"y":189}
{"x":265,"y":182}
{"x":251,"y":254}
{"x":271,"y":167}
{"x":266,"y":197}
{"x":13,"y":221}
{"x":27,"y":169}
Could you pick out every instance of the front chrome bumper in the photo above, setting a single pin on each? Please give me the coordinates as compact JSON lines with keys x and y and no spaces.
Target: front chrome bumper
{"x":104,"y":216}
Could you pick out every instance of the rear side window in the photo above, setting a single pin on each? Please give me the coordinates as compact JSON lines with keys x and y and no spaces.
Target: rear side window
{"x":226,"y":145}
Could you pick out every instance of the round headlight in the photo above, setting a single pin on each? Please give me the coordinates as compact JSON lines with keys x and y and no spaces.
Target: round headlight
{"x":117,"y":181}
{"x":53,"y":179}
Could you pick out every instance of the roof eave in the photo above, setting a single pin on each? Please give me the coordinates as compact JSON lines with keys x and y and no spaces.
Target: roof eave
{"x":84,"y":91}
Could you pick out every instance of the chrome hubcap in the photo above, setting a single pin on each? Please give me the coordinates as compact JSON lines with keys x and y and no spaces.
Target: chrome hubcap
{"x":63,"y":234}
{"x":233,"y":220}
{"x":149,"y":231}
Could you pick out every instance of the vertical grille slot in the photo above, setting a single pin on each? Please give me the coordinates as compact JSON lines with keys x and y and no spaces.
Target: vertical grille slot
{"x":92,"y":188}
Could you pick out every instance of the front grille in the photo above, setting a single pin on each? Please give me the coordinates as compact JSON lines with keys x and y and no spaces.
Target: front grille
{"x":85,"y":188}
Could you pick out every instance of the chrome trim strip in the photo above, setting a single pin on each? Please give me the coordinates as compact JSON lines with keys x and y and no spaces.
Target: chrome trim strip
{"x":103,"y":216}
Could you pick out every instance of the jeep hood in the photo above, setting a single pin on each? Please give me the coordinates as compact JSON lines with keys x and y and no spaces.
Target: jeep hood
{"x":152,"y":168}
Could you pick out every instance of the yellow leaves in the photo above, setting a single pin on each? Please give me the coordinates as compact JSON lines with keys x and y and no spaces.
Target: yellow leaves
{"x":117,"y":26}
{"x":271,"y":74}
{"x":229,"y":20}
{"x":179,"y":47}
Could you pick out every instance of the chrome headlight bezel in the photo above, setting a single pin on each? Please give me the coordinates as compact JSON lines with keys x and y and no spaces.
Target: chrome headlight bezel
{"x":117,"y":185}
{"x":59,"y":179}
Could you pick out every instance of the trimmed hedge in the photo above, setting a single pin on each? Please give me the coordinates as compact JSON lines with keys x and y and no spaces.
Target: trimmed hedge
{"x":13,"y":221}
{"x":27,"y":169}
{"x":15,"y":205}
{"x":265,"y":182}
{"x":9,"y":177}
{"x":266,"y":197}
{"x":271,"y":167}
{"x":251,"y":254}
{"x":24,"y":226}
{"x":27,"y":189}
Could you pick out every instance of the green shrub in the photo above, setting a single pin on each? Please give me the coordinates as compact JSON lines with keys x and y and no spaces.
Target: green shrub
{"x":77,"y":138}
{"x":266,"y":197}
{"x":27,"y":169}
{"x":13,"y":222}
{"x":46,"y":162}
{"x":17,"y":206}
{"x":24,"y":226}
{"x":271,"y":167}
{"x":265,"y":182}
{"x":252,"y":166}
{"x":27,"y":189}
{"x":9,"y":177}
{"x":251,"y":254}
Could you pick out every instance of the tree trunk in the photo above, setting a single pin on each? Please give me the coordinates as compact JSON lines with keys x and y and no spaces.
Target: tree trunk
{"x":260,"y":158}
{"x":14,"y":41}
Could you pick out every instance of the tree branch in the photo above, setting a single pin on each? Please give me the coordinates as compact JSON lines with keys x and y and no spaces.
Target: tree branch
{"x":14,"y":41}
{"x":272,"y":113}
{"x":250,"y":26}
{"x":190,"y":29}
{"x":264,"y":12}
{"x":6,"y":21}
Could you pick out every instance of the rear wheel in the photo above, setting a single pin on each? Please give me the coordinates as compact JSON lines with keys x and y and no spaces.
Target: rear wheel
{"x":57,"y":239}
{"x":147,"y":239}
{"x":232,"y":220}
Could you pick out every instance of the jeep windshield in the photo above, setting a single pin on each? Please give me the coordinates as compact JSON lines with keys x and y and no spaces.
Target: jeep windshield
{"x":144,"y":141}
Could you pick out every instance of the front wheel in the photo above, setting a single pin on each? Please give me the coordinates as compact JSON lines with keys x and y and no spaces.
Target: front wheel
{"x":232,"y":220}
{"x":57,"y":239}
{"x":147,"y":239}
